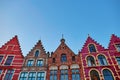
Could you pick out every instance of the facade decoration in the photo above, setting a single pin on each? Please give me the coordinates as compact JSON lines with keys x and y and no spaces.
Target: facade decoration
{"x":35,"y":64}
{"x":11,"y":60}
{"x":93,"y":61}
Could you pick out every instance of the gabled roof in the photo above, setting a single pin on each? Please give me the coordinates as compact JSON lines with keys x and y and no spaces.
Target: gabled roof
{"x":12,"y":47}
{"x":63,"y":48}
{"x":114,"y":39}
{"x":38,"y":46}
{"x":89,"y":41}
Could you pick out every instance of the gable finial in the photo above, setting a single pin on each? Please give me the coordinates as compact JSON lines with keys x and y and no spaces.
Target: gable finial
{"x":62,"y":40}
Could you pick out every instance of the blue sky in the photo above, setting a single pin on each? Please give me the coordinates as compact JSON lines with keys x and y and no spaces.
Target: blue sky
{"x":47,"y":20}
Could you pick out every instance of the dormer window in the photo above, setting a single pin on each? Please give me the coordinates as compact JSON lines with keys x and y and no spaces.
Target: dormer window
{"x":63,"y":58}
{"x":92,"y":48}
{"x":37,"y":53}
{"x":118,"y":47}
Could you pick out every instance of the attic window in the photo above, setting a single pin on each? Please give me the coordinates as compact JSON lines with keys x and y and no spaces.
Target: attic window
{"x":118,"y":47}
{"x":63,"y":58}
{"x":92,"y":48}
{"x":37,"y":53}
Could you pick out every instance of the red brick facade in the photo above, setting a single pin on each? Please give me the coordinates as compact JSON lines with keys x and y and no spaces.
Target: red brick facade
{"x":93,"y":62}
{"x":11,"y":48}
{"x":55,"y":63}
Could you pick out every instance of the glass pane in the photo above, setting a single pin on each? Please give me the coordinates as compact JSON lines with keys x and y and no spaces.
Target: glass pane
{"x":37,"y":53}
{"x":9,"y":75}
{"x":9,"y":60}
{"x":107,"y":75}
{"x":94,"y":75}
{"x":92,"y":48}
{"x":118,"y":47}
{"x":1,"y":57}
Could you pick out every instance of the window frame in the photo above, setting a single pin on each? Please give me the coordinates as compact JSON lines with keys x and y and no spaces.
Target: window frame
{"x":92,"y":48}
{"x":104,"y":60}
{"x":95,"y":74}
{"x":23,"y":76}
{"x":8,"y":63}
{"x":63,"y":58}
{"x":38,"y":53}
{"x":64,"y":73}
{"x":89,"y":62}
{"x":39,"y":65}
{"x":53,"y":74}
{"x":31,"y":77}
{"x":30,"y":62}
{"x":40,"y":76}
{"x":9,"y":74}
{"x":110,"y":72}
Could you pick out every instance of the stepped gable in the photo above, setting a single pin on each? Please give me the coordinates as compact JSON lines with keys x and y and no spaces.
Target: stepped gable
{"x":39,"y":46}
{"x":11,"y":45}
{"x":90,"y":41}
{"x":63,"y":48}
{"x":113,"y":40}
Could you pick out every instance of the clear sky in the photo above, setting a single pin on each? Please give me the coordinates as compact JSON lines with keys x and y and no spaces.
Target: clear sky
{"x":47,"y":20}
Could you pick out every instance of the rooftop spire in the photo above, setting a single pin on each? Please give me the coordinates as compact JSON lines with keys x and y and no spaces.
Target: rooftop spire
{"x":62,"y":40}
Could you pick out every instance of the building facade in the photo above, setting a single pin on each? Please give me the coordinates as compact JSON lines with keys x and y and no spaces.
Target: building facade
{"x":99,"y":63}
{"x":93,"y":61}
{"x":11,"y":60}
{"x":64,"y":64}
{"x":35,"y":64}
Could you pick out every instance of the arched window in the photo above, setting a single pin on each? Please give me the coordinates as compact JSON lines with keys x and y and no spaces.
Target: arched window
{"x":91,"y":61}
{"x":63,"y":58}
{"x":107,"y":75}
{"x":102,"y":60}
{"x":94,"y":75}
{"x":92,"y":48}
{"x":37,"y":53}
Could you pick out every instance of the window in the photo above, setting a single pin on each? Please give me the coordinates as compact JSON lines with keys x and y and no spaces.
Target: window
{"x":92,"y":48}
{"x":40,"y":63}
{"x":63,"y":58}
{"x":23,"y":76}
{"x":94,"y":75}
{"x":118,"y":60}
{"x":9,"y":75}
{"x":118,"y":47}
{"x":1,"y":57}
{"x":9,"y":60}
{"x":30,"y":63}
{"x":91,"y":61}
{"x":64,"y":75}
{"x":32,"y":76}
{"x":107,"y":75}
{"x":53,"y":75}
{"x":75,"y":74}
{"x":102,"y":60}
{"x":0,"y":71}
{"x":53,"y":60}
{"x":37,"y":53}
{"x":73,"y":58}
{"x":40,"y":76}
